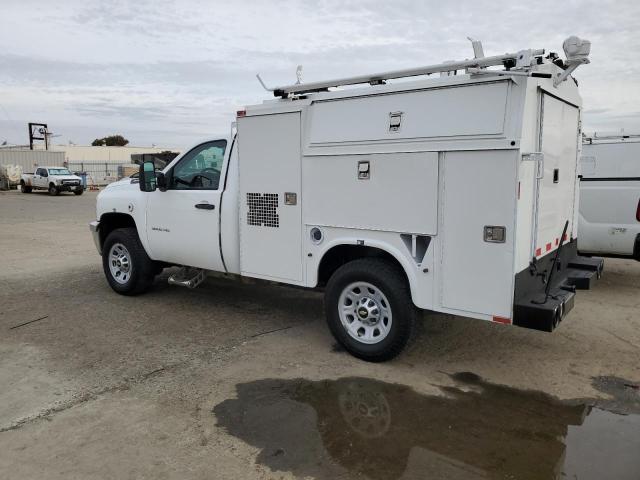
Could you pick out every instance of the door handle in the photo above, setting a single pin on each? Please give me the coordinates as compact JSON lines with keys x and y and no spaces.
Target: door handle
{"x":205,"y":206}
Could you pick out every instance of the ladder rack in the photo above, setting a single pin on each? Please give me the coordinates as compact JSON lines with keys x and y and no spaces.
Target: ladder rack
{"x":611,"y":136}
{"x":511,"y":59}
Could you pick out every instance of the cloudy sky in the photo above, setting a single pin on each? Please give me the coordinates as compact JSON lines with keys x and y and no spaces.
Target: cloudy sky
{"x":169,"y":72}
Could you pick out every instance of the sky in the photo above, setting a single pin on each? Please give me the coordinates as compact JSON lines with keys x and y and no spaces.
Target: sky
{"x":172,"y":72}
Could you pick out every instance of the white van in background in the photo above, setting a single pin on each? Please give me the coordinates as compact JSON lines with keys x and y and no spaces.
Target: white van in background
{"x":609,"y":221}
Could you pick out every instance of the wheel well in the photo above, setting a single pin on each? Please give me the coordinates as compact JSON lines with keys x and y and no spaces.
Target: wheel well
{"x":110,"y":221}
{"x":337,"y":256}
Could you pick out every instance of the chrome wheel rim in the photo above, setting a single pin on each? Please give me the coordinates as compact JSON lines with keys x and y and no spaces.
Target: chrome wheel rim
{"x":365,"y":312}
{"x":120,"y":263}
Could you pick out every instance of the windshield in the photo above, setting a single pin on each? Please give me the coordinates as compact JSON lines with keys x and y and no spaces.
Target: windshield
{"x":59,"y":171}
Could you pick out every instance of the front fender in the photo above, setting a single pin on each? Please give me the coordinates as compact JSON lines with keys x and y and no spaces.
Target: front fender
{"x":124,"y":199}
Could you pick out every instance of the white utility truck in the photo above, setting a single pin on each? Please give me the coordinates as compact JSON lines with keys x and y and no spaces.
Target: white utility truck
{"x":610,"y":196}
{"x":455,"y":194}
{"x":53,"y":179}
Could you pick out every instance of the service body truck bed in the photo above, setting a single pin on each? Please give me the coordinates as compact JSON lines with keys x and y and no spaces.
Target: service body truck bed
{"x":448,"y":194}
{"x":610,"y":196}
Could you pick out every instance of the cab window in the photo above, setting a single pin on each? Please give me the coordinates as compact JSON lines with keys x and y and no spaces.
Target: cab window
{"x":200,"y":168}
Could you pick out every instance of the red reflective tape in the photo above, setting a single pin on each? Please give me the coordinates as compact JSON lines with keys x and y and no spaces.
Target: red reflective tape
{"x":557,"y":242}
{"x":564,"y":238}
{"x":548,"y":247}
{"x":503,"y":320}
{"x":538,"y":252}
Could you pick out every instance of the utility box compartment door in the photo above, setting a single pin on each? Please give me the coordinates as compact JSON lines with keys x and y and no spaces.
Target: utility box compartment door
{"x":270,"y":197}
{"x":479,"y":191}
{"x":557,"y":188}
{"x":396,"y":192}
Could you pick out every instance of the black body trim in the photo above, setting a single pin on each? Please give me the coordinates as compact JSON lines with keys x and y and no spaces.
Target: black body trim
{"x":533,"y":308}
{"x":610,"y":179}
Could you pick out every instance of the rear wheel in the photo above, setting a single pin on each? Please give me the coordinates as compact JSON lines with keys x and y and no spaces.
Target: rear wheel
{"x":24,"y":188}
{"x":53,"y":190}
{"x":128,"y":268}
{"x":369,"y":309}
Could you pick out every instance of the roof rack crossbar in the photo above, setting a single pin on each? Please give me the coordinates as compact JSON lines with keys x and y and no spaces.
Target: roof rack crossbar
{"x":300,"y":88}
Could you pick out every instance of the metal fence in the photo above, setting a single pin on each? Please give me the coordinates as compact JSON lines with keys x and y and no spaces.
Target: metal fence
{"x":98,"y":173}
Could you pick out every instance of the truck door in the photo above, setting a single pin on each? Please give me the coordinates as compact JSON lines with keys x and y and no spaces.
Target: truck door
{"x":557,"y":179}
{"x":270,"y":203}
{"x":40,"y":178}
{"x":183,"y":222}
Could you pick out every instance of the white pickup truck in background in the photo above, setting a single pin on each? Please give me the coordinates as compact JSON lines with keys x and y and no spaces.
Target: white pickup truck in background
{"x":53,"y":179}
{"x":610,"y":196}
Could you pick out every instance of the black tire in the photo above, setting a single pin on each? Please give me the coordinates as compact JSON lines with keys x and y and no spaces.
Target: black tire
{"x":53,"y":190}
{"x":24,"y":188}
{"x":389,"y":279}
{"x":142,"y":268}
{"x":78,"y":191}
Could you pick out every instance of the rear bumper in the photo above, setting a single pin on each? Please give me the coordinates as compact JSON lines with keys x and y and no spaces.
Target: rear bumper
{"x":533,"y":308}
{"x":94,"y":228}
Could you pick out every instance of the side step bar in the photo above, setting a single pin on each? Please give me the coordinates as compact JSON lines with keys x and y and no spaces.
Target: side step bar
{"x":188,"y":277}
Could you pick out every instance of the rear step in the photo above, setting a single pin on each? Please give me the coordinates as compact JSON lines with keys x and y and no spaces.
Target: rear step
{"x":187,"y":277}
{"x":541,"y":306}
{"x":582,"y":270}
{"x":539,"y":314}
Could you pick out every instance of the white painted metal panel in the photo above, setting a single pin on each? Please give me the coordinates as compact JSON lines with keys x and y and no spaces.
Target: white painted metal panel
{"x":608,"y":222}
{"x":613,"y":160}
{"x":525,"y":215}
{"x":478,"y":189}
{"x":270,"y":231}
{"x":29,"y":160}
{"x":400,"y":195}
{"x":446,"y":112}
{"x":556,"y":199}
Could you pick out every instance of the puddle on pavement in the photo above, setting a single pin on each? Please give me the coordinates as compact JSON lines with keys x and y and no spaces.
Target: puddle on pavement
{"x":364,"y":428}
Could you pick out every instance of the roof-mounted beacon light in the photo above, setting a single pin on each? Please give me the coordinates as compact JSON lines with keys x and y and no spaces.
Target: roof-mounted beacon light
{"x":577,"y":52}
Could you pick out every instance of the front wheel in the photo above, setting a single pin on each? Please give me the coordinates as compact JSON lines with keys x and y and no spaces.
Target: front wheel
{"x":53,"y":190}
{"x":128,"y":268}
{"x":78,"y":191}
{"x":369,"y":309}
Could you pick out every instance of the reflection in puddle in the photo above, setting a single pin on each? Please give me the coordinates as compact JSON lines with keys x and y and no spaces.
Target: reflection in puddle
{"x":358,"y":427}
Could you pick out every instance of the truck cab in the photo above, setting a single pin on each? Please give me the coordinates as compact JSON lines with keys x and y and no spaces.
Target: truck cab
{"x":455,"y":194}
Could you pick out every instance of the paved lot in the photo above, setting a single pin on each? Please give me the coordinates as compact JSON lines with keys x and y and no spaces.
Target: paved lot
{"x":237,"y":380}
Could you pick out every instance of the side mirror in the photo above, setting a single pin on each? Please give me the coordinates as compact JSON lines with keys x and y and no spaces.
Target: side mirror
{"x":147,"y":177}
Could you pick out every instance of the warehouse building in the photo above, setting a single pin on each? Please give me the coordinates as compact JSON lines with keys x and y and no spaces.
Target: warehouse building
{"x":103,"y":164}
